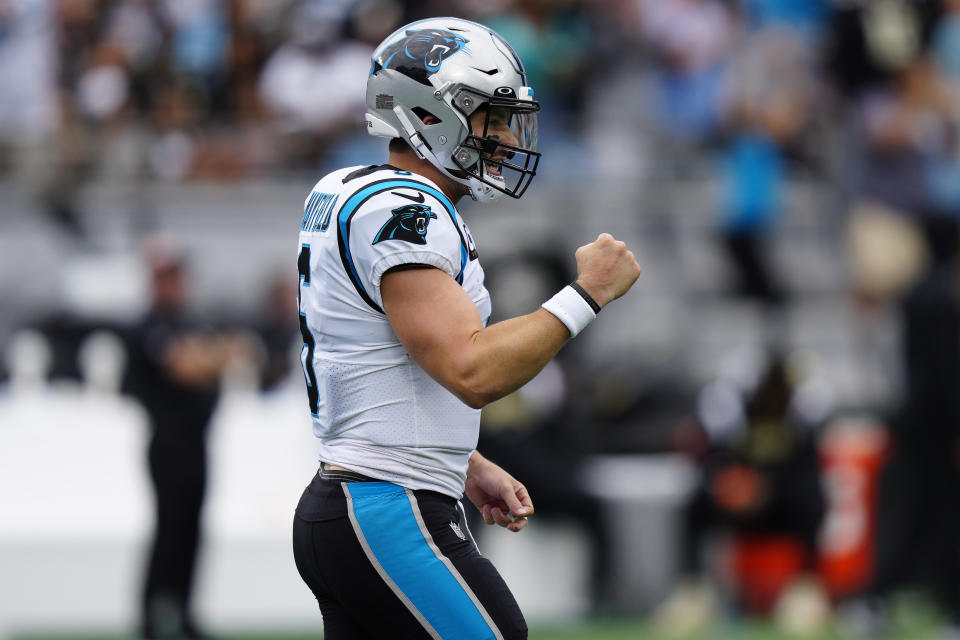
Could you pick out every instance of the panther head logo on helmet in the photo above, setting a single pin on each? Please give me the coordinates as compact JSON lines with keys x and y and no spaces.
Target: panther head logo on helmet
{"x":408,"y":223}
{"x":420,"y":53}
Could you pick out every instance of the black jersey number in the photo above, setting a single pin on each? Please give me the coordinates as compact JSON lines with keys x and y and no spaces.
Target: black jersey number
{"x":306,"y":353}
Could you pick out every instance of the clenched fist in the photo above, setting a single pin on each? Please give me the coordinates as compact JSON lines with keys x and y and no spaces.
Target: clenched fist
{"x":606,"y":269}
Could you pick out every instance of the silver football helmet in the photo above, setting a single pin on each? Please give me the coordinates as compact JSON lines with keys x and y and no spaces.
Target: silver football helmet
{"x":427,"y":80}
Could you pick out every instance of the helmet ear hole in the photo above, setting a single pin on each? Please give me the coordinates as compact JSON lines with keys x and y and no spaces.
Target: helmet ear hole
{"x":425,"y":116}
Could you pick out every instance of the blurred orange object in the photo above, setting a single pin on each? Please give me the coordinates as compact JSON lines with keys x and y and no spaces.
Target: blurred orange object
{"x":852,"y":455}
{"x":763,"y":566}
{"x":738,"y":489}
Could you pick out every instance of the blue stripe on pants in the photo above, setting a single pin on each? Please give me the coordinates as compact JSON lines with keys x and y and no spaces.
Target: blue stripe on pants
{"x":385,"y":517}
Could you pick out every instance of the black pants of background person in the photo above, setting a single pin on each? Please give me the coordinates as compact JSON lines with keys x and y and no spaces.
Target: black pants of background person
{"x":918,"y":520}
{"x":755,"y":277}
{"x":918,"y":523}
{"x":178,"y":471}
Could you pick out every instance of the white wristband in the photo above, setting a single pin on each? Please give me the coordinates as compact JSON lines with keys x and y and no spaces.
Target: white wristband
{"x":571,"y":309}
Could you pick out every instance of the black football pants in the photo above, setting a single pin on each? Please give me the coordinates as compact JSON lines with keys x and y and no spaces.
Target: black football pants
{"x":388,"y":562}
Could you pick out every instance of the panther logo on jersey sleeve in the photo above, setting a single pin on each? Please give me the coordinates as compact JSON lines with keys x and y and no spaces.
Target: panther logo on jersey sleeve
{"x":408,"y":223}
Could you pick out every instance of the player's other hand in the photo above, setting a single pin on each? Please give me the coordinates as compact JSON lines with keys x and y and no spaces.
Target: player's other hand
{"x":606,"y":268}
{"x":499,"y":497}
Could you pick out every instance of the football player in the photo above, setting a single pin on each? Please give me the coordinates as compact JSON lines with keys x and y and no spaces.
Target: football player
{"x":397,"y":353}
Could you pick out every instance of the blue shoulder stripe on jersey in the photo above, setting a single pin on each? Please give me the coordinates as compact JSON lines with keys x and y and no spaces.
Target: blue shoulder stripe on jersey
{"x":384,"y":514}
{"x":353,"y":204}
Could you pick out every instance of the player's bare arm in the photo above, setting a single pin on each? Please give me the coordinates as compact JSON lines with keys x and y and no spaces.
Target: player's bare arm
{"x":440,"y":327}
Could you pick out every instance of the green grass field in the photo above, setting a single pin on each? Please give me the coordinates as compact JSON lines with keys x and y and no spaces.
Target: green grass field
{"x":911,"y":617}
{"x":614,"y":629}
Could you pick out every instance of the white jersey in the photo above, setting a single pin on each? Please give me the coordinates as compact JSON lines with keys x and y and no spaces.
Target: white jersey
{"x":374,"y":409}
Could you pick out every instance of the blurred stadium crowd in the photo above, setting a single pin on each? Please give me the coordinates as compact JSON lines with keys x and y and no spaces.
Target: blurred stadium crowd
{"x":790,"y":170}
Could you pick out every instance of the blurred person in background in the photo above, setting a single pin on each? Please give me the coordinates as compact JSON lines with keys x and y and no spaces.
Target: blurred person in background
{"x":755,"y":445}
{"x":204,"y":113}
{"x":199,"y":44}
{"x":909,"y":146}
{"x":160,"y":89}
{"x":901,"y":119}
{"x":691,"y":41}
{"x":278,"y":329}
{"x":868,"y":42}
{"x":397,"y":351}
{"x":174,"y":369}
{"x":768,"y":98}
{"x":329,"y":46}
{"x":113,"y":57}
{"x":29,"y":109}
{"x":31,"y":143}
{"x":897,"y":63}
{"x":919,"y":519}
{"x":897,"y":169}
